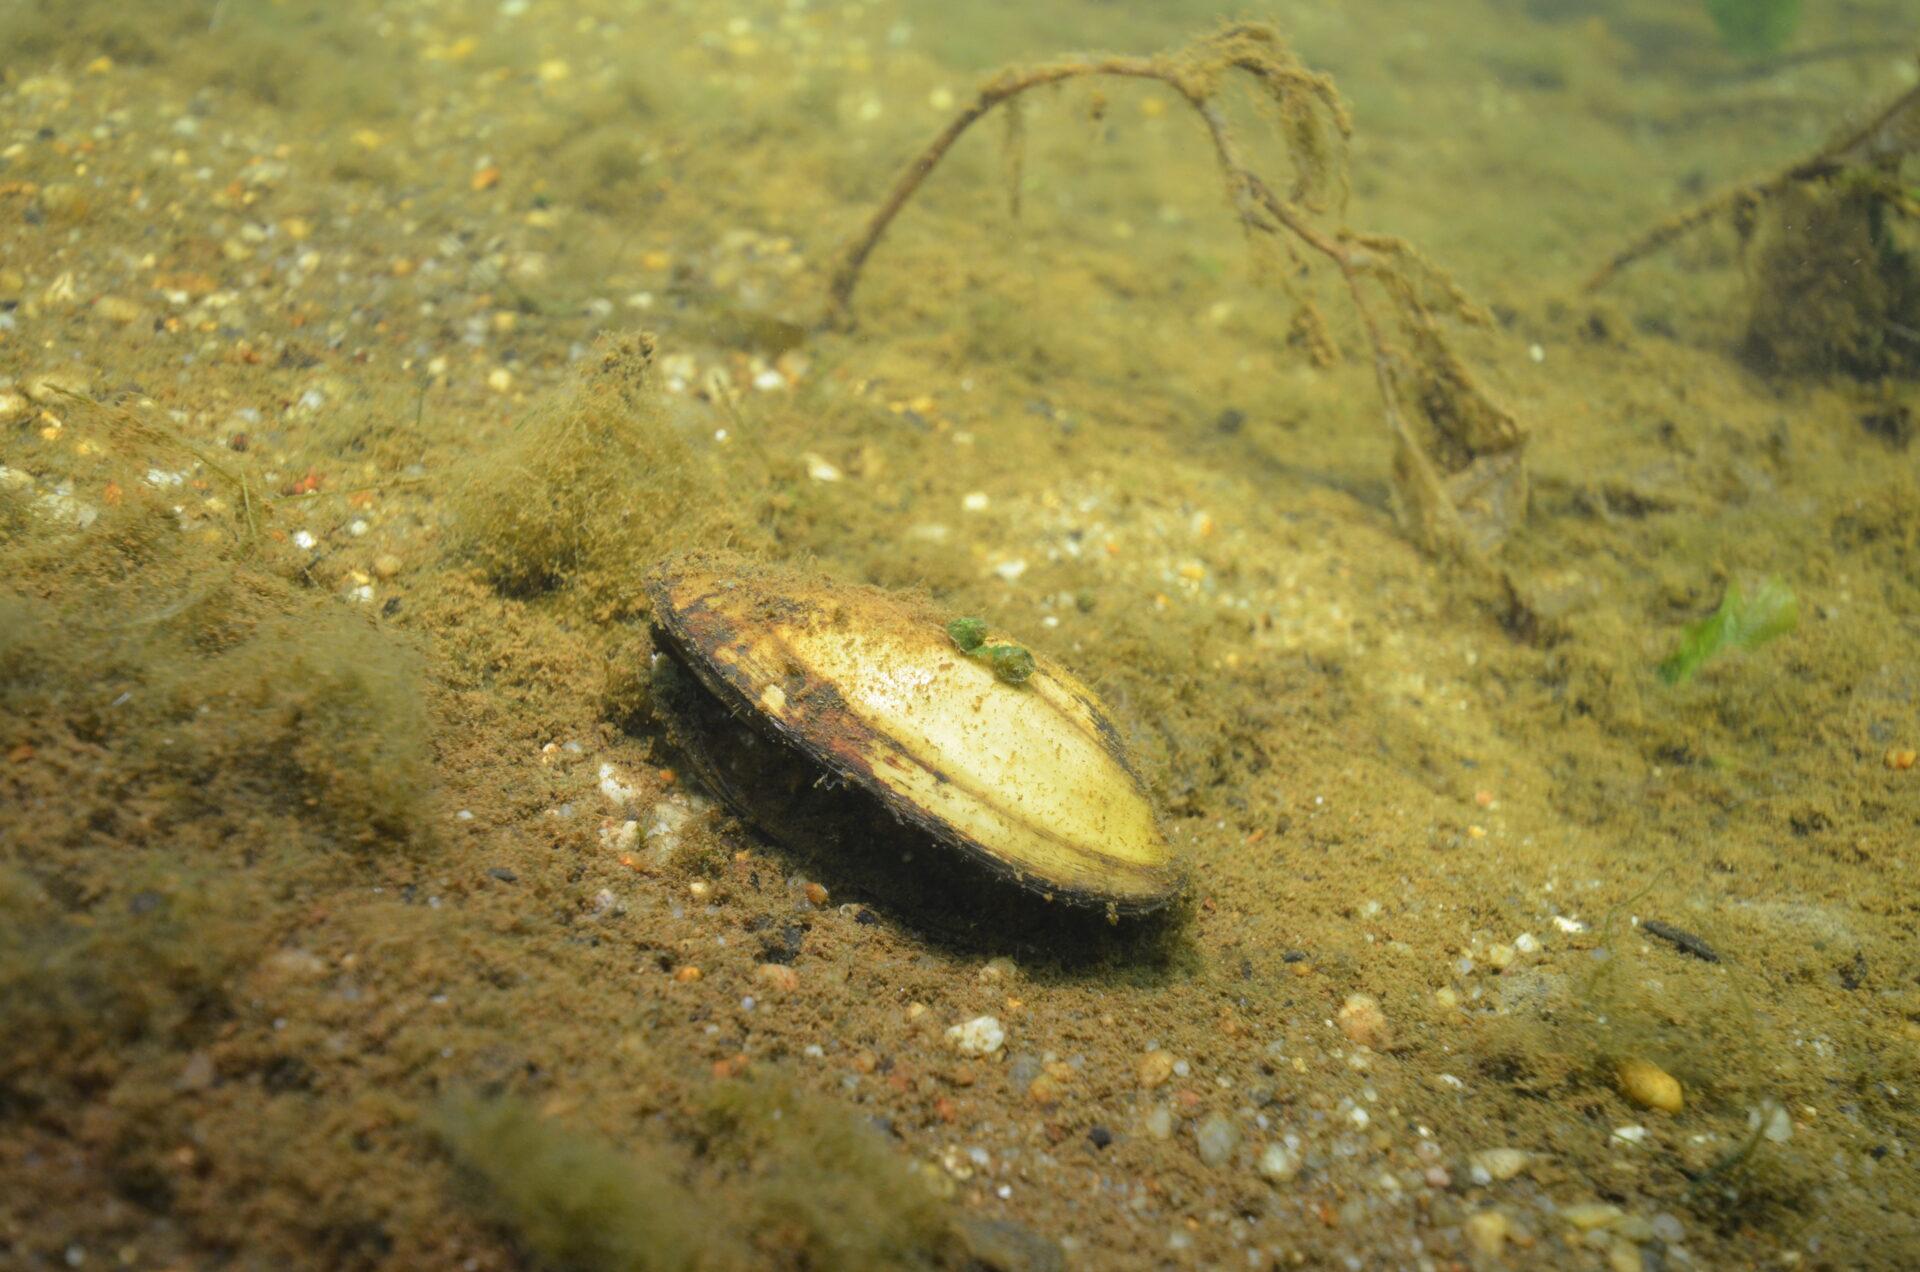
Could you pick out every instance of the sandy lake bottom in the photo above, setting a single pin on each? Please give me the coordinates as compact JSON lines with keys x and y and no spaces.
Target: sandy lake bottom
{"x":357,"y":909}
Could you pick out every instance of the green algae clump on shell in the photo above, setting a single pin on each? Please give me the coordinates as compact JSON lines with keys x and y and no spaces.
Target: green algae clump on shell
{"x":1029,"y":781}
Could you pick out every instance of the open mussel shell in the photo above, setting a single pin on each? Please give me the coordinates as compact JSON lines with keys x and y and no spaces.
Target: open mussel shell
{"x":1029,"y":780}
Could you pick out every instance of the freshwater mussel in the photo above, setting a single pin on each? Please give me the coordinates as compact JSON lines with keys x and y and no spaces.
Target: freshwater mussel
{"x":807,"y":703}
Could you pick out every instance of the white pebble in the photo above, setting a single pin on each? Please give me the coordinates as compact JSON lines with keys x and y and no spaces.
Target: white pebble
{"x":1499,"y":1163}
{"x":1775,"y":1118}
{"x":1216,"y":1137}
{"x":614,"y":787}
{"x":981,"y":1036}
{"x":1278,"y":1163}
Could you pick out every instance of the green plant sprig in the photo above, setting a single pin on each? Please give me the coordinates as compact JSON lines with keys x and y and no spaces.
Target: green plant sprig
{"x":1741,"y":622}
{"x":1012,"y":663}
{"x":1755,"y":28}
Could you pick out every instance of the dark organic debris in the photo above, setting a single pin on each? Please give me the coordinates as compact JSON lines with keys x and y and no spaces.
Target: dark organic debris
{"x":1681,"y":939}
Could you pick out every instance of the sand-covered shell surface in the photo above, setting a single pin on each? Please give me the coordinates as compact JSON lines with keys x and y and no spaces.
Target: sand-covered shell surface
{"x":1030,"y":779}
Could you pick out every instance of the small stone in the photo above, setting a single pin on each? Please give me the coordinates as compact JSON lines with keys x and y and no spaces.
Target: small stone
{"x":1650,"y":1086}
{"x":1668,"y":1228}
{"x":1635,"y":1228}
{"x":1216,"y":1137}
{"x":14,"y":406}
{"x":864,"y":1061}
{"x":1153,"y":1069}
{"x":1590,"y":1215}
{"x":1500,"y":1163}
{"x":687,"y":975}
{"x":500,"y":380}
{"x":1487,"y":1231}
{"x":1624,"y":1256}
{"x":981,"y":1036}
{"x":386,"y":565}
{"x":1500,"y":957}
{"x":1100,"y":1136}
{"x":1158,"y":1122}
{"x":1044,"y":1091}
{"x":999,"y":969}
{"x":1774,"y":1118}
{"x":996,"y":1243}
{"x":295,"y":964}
{"x":1364,"y":1023}
{"x":197,"y":1074}
{"x":777,"y":978}
{"x":815,"y":894}
{"x":1279,"y":1163}
{"x":118,"y":309}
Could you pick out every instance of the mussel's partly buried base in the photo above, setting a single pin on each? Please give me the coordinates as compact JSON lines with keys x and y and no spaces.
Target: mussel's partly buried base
{"x":850,"y":842}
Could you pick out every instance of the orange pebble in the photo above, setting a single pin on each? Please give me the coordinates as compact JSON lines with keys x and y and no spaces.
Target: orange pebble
{"x":815,"y":893}
{"x":687,"y":974}
{"x":1900,"y":759}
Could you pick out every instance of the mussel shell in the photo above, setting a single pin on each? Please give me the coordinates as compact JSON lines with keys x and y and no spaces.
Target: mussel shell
{"x":1030,"y":780}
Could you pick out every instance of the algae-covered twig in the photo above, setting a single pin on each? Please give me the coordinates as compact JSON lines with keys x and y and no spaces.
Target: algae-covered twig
{"x":1460,"y":480}
{"x":1890,"y":135}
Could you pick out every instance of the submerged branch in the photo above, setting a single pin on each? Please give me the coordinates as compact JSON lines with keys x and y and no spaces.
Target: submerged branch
{"x":1891,"y":135}
{"x":1467,"y":468}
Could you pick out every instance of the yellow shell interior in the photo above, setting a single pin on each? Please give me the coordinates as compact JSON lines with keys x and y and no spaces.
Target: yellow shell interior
{"x":1031,"y":777}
